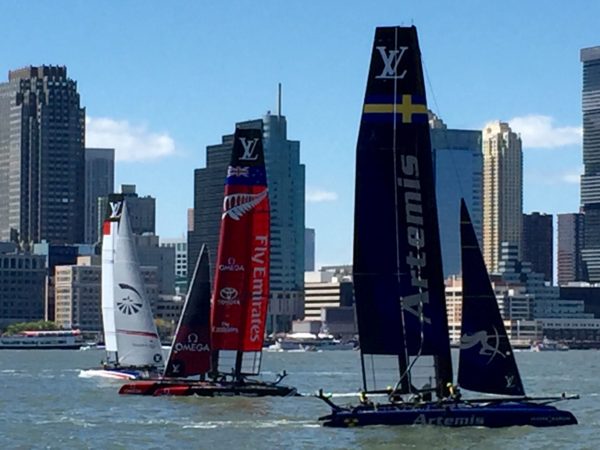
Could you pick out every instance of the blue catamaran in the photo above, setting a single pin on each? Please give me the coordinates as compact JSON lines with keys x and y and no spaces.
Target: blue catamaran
{"x":398,"y":277}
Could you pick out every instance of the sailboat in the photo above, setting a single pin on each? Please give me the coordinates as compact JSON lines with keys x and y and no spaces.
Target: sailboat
{"x":398,"y":278}
{"x":225,"y":347}
{"x":133,"y":348}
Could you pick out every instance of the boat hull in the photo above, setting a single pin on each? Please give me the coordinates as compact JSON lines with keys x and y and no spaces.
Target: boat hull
{"x":206,"y":389}
{"x":125,"y":374}
{"x":493,"y":415}
{"x":41,"y":347}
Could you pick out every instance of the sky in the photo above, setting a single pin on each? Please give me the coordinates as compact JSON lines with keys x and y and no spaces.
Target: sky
{"x":162,"y":80}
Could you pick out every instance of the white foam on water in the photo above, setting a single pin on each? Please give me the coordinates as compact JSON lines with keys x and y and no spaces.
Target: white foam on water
{"x":276,"y":423}
{"x":67,"y":419}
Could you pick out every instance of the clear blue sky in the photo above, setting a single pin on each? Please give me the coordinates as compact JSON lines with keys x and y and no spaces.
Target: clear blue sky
{"x":162,"y":80}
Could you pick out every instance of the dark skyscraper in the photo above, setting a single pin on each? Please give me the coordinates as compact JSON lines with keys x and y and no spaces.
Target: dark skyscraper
{"x":590,"y":180}
{"x":42,"y":136}
{"x":309,"y":249}
{"x":536,"y":243}
{"x":570,"y":241}
{"x":99,"y":182}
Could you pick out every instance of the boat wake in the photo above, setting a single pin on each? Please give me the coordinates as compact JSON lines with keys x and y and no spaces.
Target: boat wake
{"x":254,"y":424}
{"x":106,"y":374}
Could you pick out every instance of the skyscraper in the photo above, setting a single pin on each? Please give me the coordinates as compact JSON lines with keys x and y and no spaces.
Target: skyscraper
{"x":502,"y":190}
{"x":458,"y":168}
{"x":286,"y":180}
{"x":99,"y":182}
{"x":309,"y":249}
{"x":537,"y":243}
{"x":590,"y":180}
{"x":570,"y":242}
{"x":42,"y":166}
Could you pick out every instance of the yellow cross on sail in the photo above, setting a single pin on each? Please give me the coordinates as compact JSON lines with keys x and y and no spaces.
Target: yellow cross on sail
{"x":406,"y":108}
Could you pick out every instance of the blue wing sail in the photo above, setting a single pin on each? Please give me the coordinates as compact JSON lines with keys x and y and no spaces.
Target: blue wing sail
{"x":398,"y":277}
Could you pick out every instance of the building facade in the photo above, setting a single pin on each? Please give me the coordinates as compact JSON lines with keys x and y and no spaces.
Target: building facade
{"x":309,"y":249}
{"x":329,"y":299}
{"x":502,"y":190}
{"x":537,"y":243}
{"x":78,"y":295}
{"x":22,"y":287}
{"x":590,"y":180}
{"x":570,"y":265}
{"x":151,"y":254}
{"x":458,"y":169}
{"x":99,"y":182}
{"x":286,"y":181}
{"x":42,"y":166}
{"x":181,"y":261}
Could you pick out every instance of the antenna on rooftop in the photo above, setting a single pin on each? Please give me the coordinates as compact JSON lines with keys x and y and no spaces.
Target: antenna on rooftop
{"x":279,"y":100}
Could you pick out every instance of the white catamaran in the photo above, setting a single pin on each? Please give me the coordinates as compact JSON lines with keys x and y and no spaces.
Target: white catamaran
{"x":133,"y":349}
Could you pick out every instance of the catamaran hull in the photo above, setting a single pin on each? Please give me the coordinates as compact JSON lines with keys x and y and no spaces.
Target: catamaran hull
{"x":207,"y":389}
{"x":454,"y":415}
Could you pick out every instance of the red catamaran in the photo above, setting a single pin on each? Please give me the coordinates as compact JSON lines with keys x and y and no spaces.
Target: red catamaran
{"x":220,"y":339}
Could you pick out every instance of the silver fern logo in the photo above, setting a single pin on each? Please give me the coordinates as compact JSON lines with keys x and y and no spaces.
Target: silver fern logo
{"x":236,"y":205}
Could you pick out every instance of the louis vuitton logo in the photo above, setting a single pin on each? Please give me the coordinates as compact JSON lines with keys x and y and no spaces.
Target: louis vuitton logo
{"x":391,"y":59}
{"x":249,"y":146}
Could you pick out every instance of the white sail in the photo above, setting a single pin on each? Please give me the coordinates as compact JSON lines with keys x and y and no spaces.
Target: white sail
{"x":135,"y":337}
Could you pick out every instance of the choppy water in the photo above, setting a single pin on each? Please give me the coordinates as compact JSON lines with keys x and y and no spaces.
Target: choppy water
{"x":44,"y":404}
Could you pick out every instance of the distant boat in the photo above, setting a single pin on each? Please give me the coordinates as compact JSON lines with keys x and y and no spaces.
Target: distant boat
{"x":398,"y":278}
{"x":221,"y":344}
{"x":42,"y":340}
{"x":309,"y":342}
{"x":549,"y":345}
{"x":132,"y":344}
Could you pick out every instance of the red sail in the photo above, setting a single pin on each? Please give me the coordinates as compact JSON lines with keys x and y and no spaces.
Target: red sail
{"x":241,"y":293}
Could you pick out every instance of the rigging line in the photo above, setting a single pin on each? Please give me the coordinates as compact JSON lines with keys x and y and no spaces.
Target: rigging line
{"x":444,"y":131}
{"x":373,"y":372}
{"x":396,"y":205}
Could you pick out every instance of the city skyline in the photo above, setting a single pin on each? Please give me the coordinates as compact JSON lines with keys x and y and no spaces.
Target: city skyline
{"x":160,"y":113}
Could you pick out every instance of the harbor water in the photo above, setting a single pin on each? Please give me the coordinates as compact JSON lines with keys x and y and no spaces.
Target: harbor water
{"x":44,"y":404}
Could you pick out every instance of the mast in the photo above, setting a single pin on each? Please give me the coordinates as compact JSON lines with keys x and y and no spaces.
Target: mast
{"x":398,"y":278}
{"x":109,"y":231}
